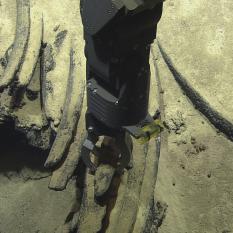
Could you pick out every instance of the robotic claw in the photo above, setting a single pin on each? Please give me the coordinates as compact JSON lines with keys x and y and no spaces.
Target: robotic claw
{"x":118,"y":34}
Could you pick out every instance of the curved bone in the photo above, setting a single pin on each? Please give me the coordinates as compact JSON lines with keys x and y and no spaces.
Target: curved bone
{"x":90,"y":214}
{"x":56,"y":66}
{"x":33,"y":50}
{"x":62,"y":175}
{"x":29,"y":63}
{"x":124,"y":213}
{"x":20,"y":43}
{"x":147,"y":188}
{"x":8,"y":8}
{"x":71,"y":111}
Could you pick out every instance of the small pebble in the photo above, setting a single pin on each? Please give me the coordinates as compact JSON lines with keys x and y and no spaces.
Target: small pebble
{"x":193,"y":140}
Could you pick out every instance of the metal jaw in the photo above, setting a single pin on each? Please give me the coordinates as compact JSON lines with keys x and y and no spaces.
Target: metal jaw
{"x":87,"y":148}
{"x":123,"y":142}
{"x":144,"y":131}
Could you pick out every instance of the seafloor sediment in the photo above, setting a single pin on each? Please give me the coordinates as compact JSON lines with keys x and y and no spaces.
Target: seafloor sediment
{"x":190,"y":71}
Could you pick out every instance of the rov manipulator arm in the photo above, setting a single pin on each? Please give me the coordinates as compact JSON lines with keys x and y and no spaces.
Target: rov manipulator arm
{"x":117,"y":37}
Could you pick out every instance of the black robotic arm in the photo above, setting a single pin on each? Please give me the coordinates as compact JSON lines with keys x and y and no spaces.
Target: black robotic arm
{"x":117,"y":37}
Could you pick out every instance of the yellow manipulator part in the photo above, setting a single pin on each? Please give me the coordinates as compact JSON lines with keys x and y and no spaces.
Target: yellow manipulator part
{"x":151,"y":130}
